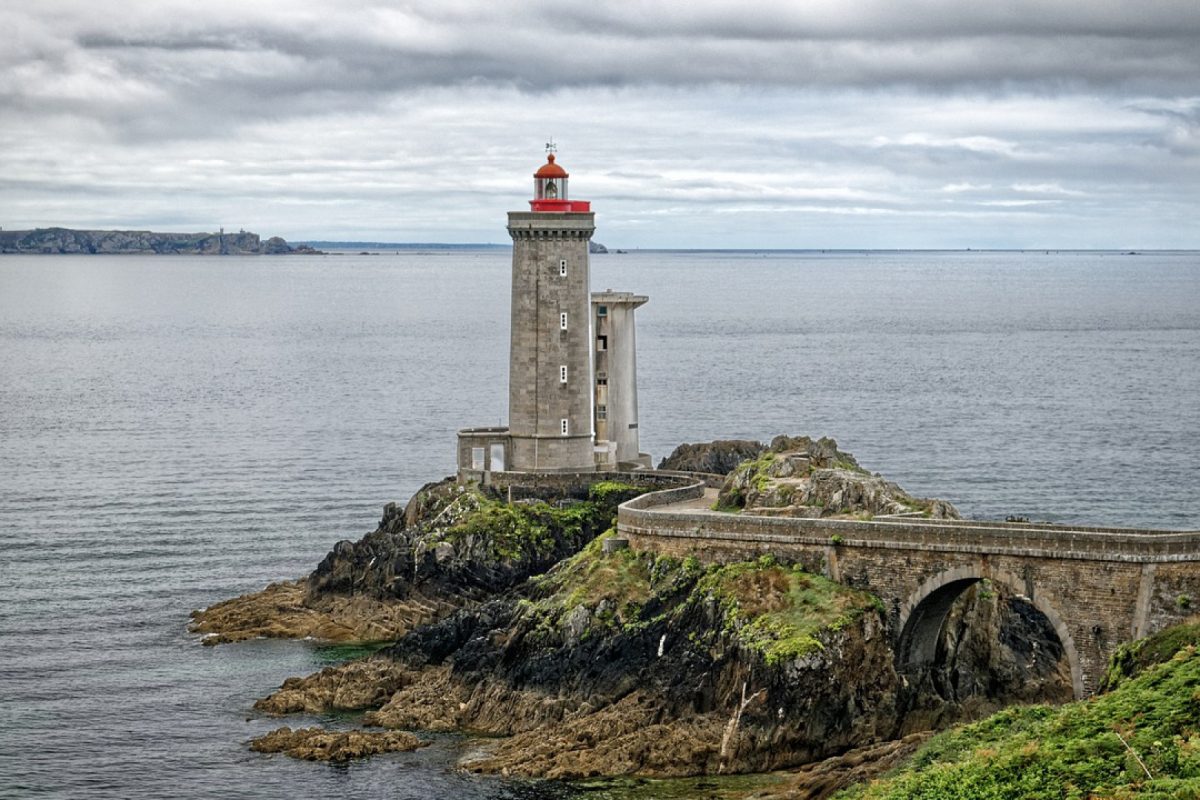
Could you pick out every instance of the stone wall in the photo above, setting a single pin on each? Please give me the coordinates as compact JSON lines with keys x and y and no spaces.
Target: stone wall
{"x":1097,"y":586}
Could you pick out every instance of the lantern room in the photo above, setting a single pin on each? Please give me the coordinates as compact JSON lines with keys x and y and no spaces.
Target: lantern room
{"x":550,"y":190}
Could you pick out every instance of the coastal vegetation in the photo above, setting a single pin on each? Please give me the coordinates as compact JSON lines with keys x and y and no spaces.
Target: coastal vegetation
{"x":1139,"y":739}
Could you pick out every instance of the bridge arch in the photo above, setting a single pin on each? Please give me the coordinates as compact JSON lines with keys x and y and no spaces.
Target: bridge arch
{"x":923,"y":615}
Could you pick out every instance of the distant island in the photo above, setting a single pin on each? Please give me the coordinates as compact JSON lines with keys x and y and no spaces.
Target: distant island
{"x":53,"y":241}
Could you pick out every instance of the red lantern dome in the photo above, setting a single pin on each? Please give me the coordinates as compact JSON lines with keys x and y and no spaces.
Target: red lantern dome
{"x":550,"y":190}
{"x":550,"y":169}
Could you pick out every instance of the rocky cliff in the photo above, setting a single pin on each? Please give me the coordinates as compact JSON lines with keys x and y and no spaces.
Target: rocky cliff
{"x":451,"y":546}
{"x":65,"y":240}
{"x":519,"y":621}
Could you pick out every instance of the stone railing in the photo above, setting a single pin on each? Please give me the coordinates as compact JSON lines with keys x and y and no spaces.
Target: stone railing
{"x":649,"y":516}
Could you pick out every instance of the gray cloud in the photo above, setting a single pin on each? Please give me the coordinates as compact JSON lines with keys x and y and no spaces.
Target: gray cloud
{"x":914,"y":124}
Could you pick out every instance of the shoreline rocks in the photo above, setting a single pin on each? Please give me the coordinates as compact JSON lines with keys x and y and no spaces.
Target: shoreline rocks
{"x":318,"y":744}
{"x":288,"y":610}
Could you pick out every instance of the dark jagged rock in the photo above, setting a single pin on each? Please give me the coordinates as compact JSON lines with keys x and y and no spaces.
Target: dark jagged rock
{"x":452,"y":545}
{"x":720,"y":457}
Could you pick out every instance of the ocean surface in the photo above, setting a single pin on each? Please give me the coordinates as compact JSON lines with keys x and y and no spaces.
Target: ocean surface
{"x":178,"y":430}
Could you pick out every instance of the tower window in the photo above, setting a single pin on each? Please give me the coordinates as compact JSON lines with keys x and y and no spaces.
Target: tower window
{"x":601,"y":311}
{"x":562,"y":268}
{"x":601,"y":412}
{"x":564,"y":427}
{"x":562,"y":374}
{"x":602,"y":381}
{"x":562,"y":320}
{"x":601,"y":342}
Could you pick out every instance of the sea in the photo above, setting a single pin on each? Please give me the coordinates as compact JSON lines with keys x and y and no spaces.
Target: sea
{"x":179,"y":430}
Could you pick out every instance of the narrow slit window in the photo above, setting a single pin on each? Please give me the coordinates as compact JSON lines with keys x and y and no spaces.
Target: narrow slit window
{"x":562,"y":320}
{"x":562,"y":374}
{"x":562,"y":268}
{"x":601,"y":343}
{"x":564,"y":427}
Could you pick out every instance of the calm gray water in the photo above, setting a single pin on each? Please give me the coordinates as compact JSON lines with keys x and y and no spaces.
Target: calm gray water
{"x":174,"y":431}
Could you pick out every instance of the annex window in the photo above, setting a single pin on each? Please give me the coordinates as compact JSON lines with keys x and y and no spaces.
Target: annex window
{"x":601,"y":343}
{"x":565,"y":429}
{"x":562,"y":374}
{"x":477,"y":461}
{"x":562,"y":321}
{"x":562,"y":268}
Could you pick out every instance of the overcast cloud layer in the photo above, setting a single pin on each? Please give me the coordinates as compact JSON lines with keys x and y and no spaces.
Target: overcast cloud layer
{"x":777,"y":124}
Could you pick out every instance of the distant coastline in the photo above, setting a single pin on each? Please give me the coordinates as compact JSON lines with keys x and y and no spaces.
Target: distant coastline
{"x":66,"y":241}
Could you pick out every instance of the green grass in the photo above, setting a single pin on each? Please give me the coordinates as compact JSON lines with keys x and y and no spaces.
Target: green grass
{"x":1071,"y":752}
{"x":781,"y":611}
{"x":592,"y":576}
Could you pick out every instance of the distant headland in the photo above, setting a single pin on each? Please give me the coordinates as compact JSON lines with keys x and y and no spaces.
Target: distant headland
{"x":59,"y":241}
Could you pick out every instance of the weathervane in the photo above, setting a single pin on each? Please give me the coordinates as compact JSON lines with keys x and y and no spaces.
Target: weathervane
{"x":551,"y":147}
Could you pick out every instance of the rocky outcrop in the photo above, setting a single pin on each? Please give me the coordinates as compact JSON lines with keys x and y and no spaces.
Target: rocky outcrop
{"x":719,"y":458}
{"x":823,"y":779}
{"x":650,"y":666}
{"x":800,"y":477}
{"x":452,"y":545}
{"x":292,"y":610}
{"x":318,"y":744}
{"x":627,"y":664}
{"x":512,"y":620}
{"x":357,"y":685}
{"x":66,"y":240}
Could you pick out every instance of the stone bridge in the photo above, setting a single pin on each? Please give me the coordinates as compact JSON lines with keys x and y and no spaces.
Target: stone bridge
{"x":1098,"y":587}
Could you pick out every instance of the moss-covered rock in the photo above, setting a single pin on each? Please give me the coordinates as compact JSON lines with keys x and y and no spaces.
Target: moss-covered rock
{"x":1132,"y":658}
{"x":452,"y":545}
{"x":800,"y":477}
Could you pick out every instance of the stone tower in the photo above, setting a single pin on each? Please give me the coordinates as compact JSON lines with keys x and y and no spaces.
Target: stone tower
{"x":616,"y":380}
{"x":550,"y":358}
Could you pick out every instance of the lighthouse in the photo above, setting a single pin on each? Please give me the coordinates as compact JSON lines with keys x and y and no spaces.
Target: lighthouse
{"x":571,"y":368}
{"x":550,"y":356}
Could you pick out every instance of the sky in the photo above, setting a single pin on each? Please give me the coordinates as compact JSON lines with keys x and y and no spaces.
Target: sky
{"x":815,"y":124}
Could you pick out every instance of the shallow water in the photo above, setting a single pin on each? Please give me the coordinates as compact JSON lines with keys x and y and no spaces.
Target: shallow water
{"x":174,"y":431}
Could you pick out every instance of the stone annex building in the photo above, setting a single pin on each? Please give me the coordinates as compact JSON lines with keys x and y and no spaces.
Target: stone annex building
{"x":572,"y":372}
{"x":573,"y":418}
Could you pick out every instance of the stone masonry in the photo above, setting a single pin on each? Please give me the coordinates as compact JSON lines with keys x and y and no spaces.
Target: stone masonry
{"x":545,"y":246}
{"x":1099,"y":587}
